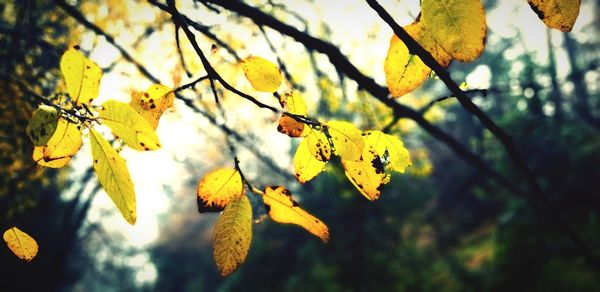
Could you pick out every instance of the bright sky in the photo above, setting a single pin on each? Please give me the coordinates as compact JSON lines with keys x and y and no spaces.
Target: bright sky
{"x":182,"y":133}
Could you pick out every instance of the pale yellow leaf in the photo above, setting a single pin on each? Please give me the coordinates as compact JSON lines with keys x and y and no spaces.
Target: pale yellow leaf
{"x":21,"y":244}
{"x":558,"y":14}
{"x":82,"y":76}
{"x":458,"y":26}
{"x":63,"y":144}
{"x":219,"y":188}
{"x":233,"y":235}
{"x":306,"y":166}
{"x":128,"y":125}
{"x":262,"y":74}
{"x":283,"y":208}
{"x":318,"y":145}
{"x":388,"y":147}
{"x":367,"y":174}
{"x":113,"y":175}
{"x":42,"y":125}
{"x":152,"y":103}
{"x":404,"y":71}
{"x":346,"y":139}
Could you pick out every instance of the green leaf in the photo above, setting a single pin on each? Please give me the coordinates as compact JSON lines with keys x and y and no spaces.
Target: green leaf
{"x":81,"y":75}
{"x":558,"y":14}
{"x":233,"y":235}
{"x":113,"y":176}
{"x":42,"y":125}
{"x":128,"y":125}
{"x":346,"y":139}
{"x":458,"y":26}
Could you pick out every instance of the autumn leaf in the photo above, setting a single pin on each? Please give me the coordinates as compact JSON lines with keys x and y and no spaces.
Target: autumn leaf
{"x":306,"y":166}
{"x":558,"y":14}
{"x":21,"y":244}
{"x":389,"y":148}
{"x":113,"y":175}
{"x":458,"y":26}
{"x":262,"y":74}
{"x":283,"y":208}
{"x":152,"y":103}
{"x":367,"y":174}
{"x":404,"y":71}
{"x":42,"y":125}
{"x":295,"y":105}
{"x":219,"y":188}
{"x":82,"y":76}
{"x":63,"y":144}
{"x":346,"y":139}
{"x":233,"y":235}
{"x":128,"y":125}
{"x":318,"y":145}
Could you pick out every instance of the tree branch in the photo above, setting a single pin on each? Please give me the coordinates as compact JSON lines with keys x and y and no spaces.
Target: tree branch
{"x":498,"y":132}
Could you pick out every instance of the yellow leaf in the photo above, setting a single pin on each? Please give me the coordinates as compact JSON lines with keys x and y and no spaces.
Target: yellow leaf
{"x":295,"y":105}
{"x":219,"y":188}
{"x":283,"y":208}
{"x":233,"y":235}
{"x":42,"y":125}
{"x":128,"y":125}
{"x":458,"y":26}
{"x":113,"y":175}
{"x":404,"y":71}
{"x":152,"y":103}
{"x":389,"y":148}
{"x":367,"y":174}
{"x":559,"y":14}
{"x":21,"y":244}
{"x":306,"y":166}
{"x":81,"y":75}
{"x":63,"y":144}
{"x":318,"y":145}
{"x":262,"y":74}
{"x":346,"y":139}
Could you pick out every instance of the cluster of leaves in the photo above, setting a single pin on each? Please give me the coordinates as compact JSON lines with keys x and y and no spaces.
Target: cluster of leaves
{"x":57,"y":129}
{"x":367,"y":158}
{"x":455,"y":30}
{"x":445,"y":29}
